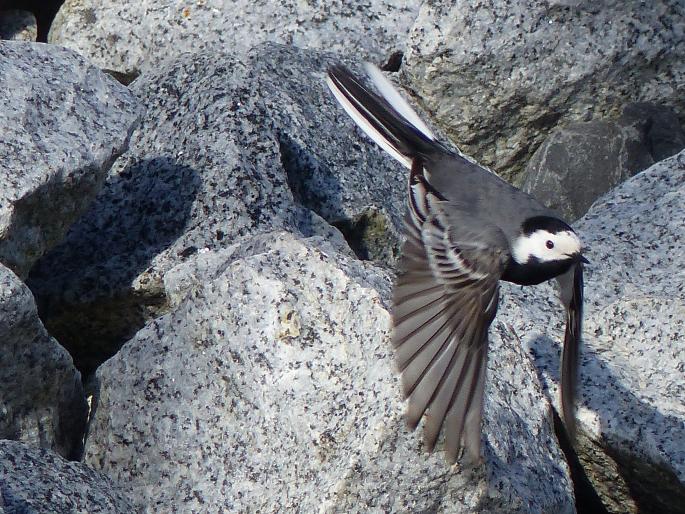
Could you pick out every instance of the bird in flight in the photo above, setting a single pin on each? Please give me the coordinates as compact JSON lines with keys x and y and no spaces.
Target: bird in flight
{"x":466,"y":229}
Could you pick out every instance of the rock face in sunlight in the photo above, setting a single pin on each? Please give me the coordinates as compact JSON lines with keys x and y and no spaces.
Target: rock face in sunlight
{"x":634,"y":382}
{"x":64,"y":123}
{"x":196,"y":268}
{"x":631,"y":375}
{"x":499,"y":75}
{"x":228,"y":148}
{"x":272,"y":386}
{"x":111,"y":35}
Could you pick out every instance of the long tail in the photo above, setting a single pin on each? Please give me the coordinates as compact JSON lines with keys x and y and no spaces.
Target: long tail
{"x":571,"y":352}
{"x":388,"y":119}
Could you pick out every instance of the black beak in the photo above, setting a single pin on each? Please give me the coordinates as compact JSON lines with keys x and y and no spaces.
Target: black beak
{"x":578,"y":257}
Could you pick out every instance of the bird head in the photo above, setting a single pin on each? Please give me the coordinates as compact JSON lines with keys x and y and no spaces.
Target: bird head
{"x":545,"y":240}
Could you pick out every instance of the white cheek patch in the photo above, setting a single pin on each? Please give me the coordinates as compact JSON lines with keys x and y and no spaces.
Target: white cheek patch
{"x":566,"y":243}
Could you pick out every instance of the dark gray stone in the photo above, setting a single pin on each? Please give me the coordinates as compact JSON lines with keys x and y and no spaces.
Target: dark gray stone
{"x":41,"y":397}
{"x":663,"y":133}
{"x":578,"y":163}
{"x":36,"y":480}
{"x":64,"y":123}
{"x":18,"y":25}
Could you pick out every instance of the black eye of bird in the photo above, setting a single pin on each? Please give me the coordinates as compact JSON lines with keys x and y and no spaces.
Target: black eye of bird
{"x":550,"y":244}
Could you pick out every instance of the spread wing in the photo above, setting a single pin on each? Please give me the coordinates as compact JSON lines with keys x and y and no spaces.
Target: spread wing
{"x":571,"y":292}
{"x":445,"y":298}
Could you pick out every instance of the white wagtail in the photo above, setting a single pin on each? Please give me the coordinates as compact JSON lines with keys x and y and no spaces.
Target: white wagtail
{"x":466,"y":229}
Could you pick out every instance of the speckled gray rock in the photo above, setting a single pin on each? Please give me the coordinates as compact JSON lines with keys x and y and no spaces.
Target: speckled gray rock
{"x":35,"y":480}
{"x":271,"y":387}
{"x":134,"y":36}
{"x":229,"y":147}
{"x":632,"y":382}
{"x":64,"y":122}
{"x":578,"y":163}
{"x":41,"y":397}
{"x":500,"y":74}
{"x":18,"y":25}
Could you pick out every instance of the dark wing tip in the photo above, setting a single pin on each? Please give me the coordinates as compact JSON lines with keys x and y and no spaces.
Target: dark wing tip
{"x":411,"y":419}
{"x":341,"y":76}
{"x":336,"y":70}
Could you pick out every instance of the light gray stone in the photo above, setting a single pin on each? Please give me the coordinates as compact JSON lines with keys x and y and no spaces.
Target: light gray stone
{"x":41,"y":397}
{"x":271,"y":387}
{"x":64,"y":122}
{"x":632,"y":385}
{"x":499,"y":75}
{"x":229,"y":147}
{"x":36,"y":480}
{"x":134,"y":36}
{"x":18,"y":25}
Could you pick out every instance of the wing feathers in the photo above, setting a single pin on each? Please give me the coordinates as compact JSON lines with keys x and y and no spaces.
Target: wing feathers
{"x":458,"y":371}
{"x":465,"y":412}
{"x":442,"y":310}
{"x":423,"y":375}
{"x":448,"y":375}
{"x":417,"y":306}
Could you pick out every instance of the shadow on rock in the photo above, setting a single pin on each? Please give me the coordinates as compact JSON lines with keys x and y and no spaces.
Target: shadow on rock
{"x":92,"y":290}
{"x":624,"y":477}
{"x":317,"y":187}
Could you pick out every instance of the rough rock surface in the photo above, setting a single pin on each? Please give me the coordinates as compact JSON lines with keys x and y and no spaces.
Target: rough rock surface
{"x":228,"y":147}
{"x":64,"y":122}
{"x":18,"y":25}
{"x":269,"y":381}
{"x":134,"y":36}
{"x":632,"y":366}
{"x":37,"y":480}
{"x":271,"y":387}
{"x":41,"y":397}
{"x":662,"y":132}
{"x":578,"y":163}
{"x":499,"y":75}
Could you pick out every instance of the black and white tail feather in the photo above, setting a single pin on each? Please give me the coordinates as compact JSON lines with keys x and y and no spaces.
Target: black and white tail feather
{"x":447,"y":290}
{"x":388,"y":120}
